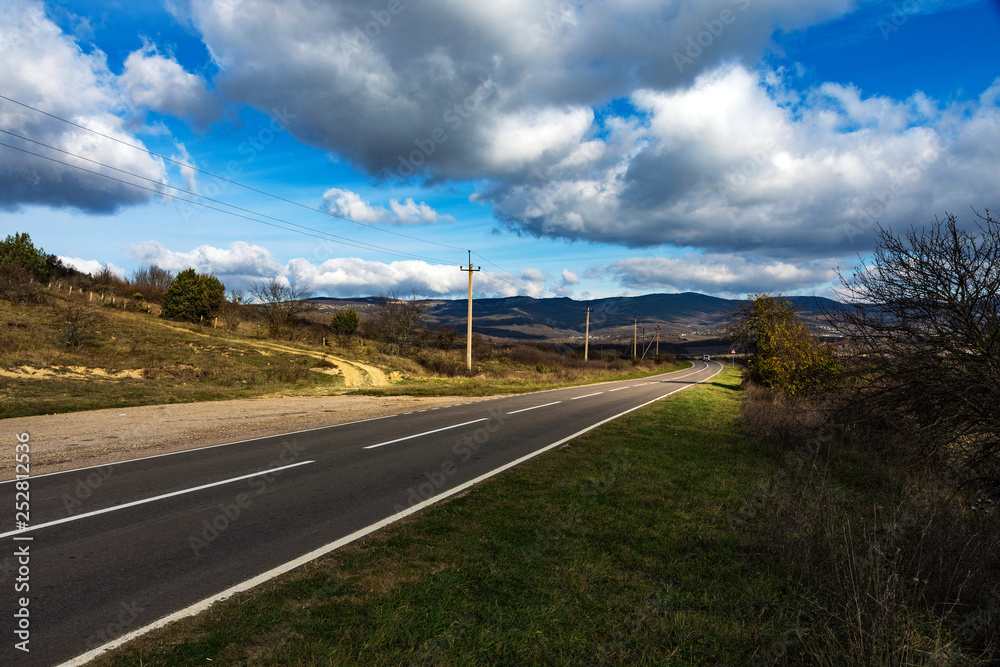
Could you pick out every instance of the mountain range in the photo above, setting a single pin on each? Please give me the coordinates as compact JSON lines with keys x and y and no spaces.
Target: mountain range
{"x":683,"y":319}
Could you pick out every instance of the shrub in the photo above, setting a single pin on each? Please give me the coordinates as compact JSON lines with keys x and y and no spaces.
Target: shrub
{"x":345,"y":323}
{"x":17,"y":250}
{"x":79,"y":327}
{"x":234,"y":310}
{"x":151,"y":282}
{"x":279,"y":305}
{"x":16,"y":285}
{"x":923,"y":317}
{"x":192,"y":296}
{"x":396,"y":323}
{"x":783,"y":354}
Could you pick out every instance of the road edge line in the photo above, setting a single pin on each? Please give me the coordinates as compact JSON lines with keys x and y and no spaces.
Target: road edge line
{"x":203,"y":605}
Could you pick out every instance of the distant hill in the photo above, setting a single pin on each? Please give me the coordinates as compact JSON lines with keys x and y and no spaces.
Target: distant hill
{"x":683,"y":318}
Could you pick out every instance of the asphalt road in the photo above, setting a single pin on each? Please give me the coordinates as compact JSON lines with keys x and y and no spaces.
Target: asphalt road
{"x":113,"y":549}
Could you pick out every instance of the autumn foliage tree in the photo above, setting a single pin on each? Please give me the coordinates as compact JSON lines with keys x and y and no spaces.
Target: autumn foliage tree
{"x":783,"y":354}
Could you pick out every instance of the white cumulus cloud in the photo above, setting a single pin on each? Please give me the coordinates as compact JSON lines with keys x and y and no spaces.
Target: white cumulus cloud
{"x":46,"y":69}
{"x":161,"y":84}
{"x":348,"y":204}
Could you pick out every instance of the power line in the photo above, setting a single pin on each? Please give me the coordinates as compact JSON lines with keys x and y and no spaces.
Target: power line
{"x":319,"y":234}
{"x":521,"y":288}
{"x":302,"y":229}
{"x":525,"y":285}
{"x":227,"y":180}
{"x":360,"y":244}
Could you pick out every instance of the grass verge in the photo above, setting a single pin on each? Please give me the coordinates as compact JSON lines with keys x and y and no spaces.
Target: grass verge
{"x":615,"y":549}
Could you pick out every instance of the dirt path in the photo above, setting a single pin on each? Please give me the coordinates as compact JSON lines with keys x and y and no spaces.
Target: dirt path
{"x":356,"y":374}
{"x":96,"y":437}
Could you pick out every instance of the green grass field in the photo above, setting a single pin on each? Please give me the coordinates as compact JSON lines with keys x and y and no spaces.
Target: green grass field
{"x":615,"y":549}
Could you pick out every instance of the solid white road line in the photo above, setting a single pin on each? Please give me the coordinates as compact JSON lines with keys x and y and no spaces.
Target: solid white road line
{"x":577,"y":398}
{"x":199,"y":607}
{"x":153,"y":499}
{"x":417,"y":435}
{"x":535,"y":407}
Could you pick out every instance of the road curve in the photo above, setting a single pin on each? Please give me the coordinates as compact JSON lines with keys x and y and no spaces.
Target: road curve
{"x":116,"y":549}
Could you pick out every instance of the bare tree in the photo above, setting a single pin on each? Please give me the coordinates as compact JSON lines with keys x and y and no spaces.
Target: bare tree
{"x":234,"y":310}
{"x":396,"y":323}
{"x":280,"y":304}
{"x":151,"y":282}
{"x":924,"y":317}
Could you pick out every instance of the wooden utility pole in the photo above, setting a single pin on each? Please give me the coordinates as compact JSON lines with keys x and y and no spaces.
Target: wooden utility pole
{"x":657,"y":340}
{"x":468,"y":335}
{"x":635,"y":336}
{"x":586,"y":336}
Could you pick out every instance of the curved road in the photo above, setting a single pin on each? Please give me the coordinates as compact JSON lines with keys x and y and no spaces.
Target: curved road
{"x":116,"y":548}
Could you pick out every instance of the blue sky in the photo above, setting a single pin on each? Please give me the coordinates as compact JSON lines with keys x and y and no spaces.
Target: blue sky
{"x":582,"y":149}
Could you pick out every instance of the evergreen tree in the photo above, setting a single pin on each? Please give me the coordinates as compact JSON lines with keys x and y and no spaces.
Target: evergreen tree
{"x":191,"y":296}
{"x":18,"y":250}
{"x":345,"y":323}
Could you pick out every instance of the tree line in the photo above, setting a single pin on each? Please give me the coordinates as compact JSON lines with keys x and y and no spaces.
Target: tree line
{"x":921,"y":358}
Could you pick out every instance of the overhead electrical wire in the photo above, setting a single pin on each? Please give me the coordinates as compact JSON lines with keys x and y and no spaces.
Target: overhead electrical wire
{"x":515,"y":276}
{"x":302,"y":229}
{"x":319,"y":234}
{"x":306,"y":231}
{"x":359,"y":244}
{"x":227,"y":180}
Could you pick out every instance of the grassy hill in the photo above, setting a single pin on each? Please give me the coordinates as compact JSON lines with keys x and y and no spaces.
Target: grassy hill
{"x":128,"y":358}
{"x":72,"y":353}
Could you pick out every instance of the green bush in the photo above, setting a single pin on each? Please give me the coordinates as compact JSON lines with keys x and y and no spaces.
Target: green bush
{"x":191,"y":297}
{"x":18,"y":250}
{"x":345,"y":323}
{"x":783,"y":354}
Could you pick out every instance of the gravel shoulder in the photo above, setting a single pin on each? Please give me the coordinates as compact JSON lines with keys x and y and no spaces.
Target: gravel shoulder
{"x":79,"y":439}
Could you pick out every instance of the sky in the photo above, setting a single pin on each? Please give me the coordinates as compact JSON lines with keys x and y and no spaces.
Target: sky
{"x":578,"y":148}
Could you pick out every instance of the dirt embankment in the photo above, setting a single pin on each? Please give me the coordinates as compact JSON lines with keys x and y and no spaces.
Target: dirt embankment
{"x":356,"y":374}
